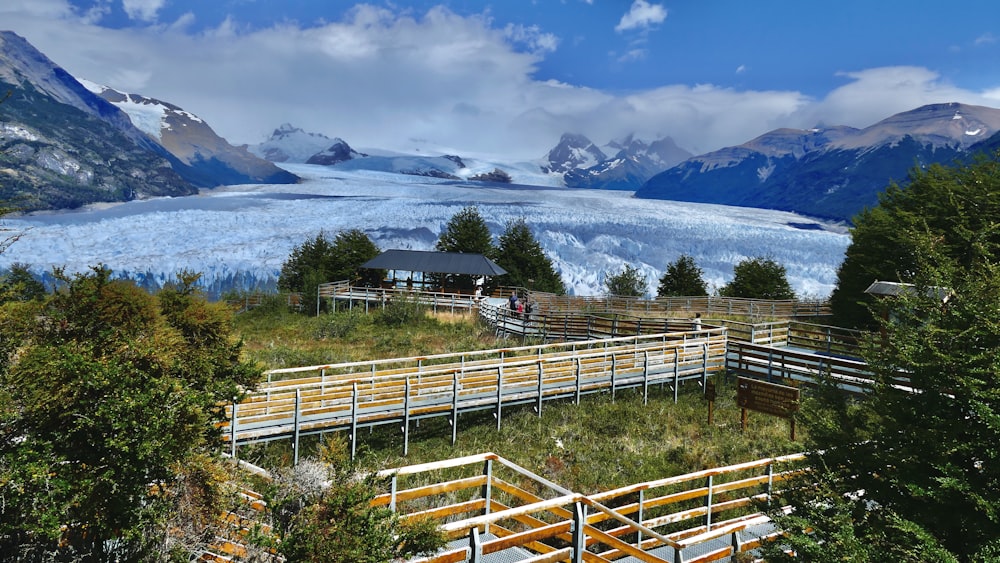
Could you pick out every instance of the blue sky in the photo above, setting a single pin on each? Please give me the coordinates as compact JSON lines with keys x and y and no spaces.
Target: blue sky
{"x":506,"y":78}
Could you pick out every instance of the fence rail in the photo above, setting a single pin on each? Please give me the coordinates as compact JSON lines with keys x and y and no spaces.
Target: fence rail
{"x":687,"y":306}
{"x":376,"y":297}
{"x":354,"y":395}
{"x":697,"y":517}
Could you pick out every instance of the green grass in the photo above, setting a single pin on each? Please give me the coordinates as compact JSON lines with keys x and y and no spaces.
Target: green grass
{"x":605,"y":443}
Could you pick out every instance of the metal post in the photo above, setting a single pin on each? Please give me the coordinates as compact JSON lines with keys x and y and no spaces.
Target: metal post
{"x":538,"y":406}
{"x":645,"y":387}
{"x":298,"y":410}
{"x":406,"y":417}
{"x":579,"y":538}
{"x":578,"y":380}
{"x":232,"y":432}
{"x":708,"y":506}
{"x":454,"y":409}
{"x":612,"y":376}
{"x":704,"y":365}
{"x":475,"y":546}
{"x":499,"y":393}
{"x":487,"y":490}
{"x":354,"y":419}
{"x":677,"y":366}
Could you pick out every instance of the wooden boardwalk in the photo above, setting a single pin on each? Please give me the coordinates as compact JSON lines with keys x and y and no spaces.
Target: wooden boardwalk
{"x":500,"y":511}
{"x":349,"y":396}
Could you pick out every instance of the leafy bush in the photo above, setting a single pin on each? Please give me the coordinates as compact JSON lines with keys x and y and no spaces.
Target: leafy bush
{"x":401,"y":312}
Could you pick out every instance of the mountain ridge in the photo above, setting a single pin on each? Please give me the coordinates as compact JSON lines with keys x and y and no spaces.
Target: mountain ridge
{"x":830,"y":173}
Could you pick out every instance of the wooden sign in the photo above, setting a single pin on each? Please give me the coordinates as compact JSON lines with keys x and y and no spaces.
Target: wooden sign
{"x":769,"y":398}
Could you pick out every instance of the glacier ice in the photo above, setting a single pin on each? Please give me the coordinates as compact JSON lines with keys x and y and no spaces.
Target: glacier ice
{"x":240,"y":235}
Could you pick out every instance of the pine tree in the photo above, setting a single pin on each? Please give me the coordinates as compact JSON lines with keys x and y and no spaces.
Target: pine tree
{"x":630,"y":282}
{"x":525,"y":261}
{"x":682,"y":278}
{"x":758,"y":278}
{"x":321,"y":260}
{"x":465,"y":232}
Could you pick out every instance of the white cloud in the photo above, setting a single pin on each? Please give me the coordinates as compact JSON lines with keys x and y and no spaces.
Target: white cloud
{"x":437,"y":81}
{"x":632,"y":55}
{"x":641,"y":15}
{"x":741,"y":69}
{"x":986,"y":39}
{"x":142,"y":10}
{"x":874,"y":94}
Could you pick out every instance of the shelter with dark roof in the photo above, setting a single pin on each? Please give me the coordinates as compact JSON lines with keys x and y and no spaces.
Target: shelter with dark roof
{"x":432,"y":262}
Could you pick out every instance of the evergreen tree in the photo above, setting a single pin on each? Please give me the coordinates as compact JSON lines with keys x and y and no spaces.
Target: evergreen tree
{"x":958,"y":205}
{"x":321,"y":260}
{"x":20,"y":285}
{"x":918,"y":452}
{"x":525,"y":261}
{"x":630,"y":282}
{"x":758,"y":278}
{"x":682,"y":278}
{"x":465,"y":232}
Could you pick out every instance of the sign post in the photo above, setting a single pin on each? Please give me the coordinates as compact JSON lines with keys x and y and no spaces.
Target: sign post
{"x":768,"y":398}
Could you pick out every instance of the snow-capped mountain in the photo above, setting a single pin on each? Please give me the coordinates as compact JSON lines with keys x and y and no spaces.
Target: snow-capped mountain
{"x":573,"y":151}
{"x":338,"y":151}
{"x":831,"y":172}
{"x":291,"y":144}
{"x":634,"y":162}
{"x":63,"y":146}
{"x":207,"y":160}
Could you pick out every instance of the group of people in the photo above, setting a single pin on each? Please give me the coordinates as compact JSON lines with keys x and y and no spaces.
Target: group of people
{"x":520,"y":306}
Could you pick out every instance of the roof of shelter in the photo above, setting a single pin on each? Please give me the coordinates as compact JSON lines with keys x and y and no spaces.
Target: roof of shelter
{"x":893,"y":289}
{"x":435,"y":262}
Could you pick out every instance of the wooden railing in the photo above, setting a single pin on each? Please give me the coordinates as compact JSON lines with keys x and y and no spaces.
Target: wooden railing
{"x":684,"y":306}
{"x":566,"y":326}
{"x":313,"y":399}
{"x":502,"y":506}
{"x":376,"y":297}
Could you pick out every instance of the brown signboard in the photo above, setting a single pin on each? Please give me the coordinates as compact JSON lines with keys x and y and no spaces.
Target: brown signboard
{"x":770,"y":398}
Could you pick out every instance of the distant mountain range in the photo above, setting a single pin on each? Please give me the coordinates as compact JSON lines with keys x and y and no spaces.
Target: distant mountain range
{"x":825,"y":172}
{"x":831,"y":172}
{"x":66,"y":142}
{"x":583,"y":164}
{"x":63,"y":145}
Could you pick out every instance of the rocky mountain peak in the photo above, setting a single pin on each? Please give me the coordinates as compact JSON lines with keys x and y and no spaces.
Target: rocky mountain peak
{"x":573,"y":151}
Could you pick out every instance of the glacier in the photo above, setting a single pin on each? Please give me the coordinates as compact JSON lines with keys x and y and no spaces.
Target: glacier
{"x":239,"y":236}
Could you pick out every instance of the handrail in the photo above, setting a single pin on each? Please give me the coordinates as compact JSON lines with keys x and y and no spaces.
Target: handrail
{"x":704,"y":530}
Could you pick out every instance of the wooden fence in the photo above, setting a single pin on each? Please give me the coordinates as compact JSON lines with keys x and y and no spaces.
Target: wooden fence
{"x":684,"y":306}
{"x":376,"y":297}
{"x":698,"y":517}
{"x":348,"y":396}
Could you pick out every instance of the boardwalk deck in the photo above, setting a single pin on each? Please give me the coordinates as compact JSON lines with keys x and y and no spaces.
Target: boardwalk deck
{"x":399,"y":391}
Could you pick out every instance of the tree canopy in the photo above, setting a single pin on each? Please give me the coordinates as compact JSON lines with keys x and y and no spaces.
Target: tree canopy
{"x":920,"y":460}
{"x":105,"y":390}
{"x":525,"y":261}
{"x":630,"y":282}
{"x":321,"y":260}
{"x":958,"y":206}
{"x":682,"y":278}
{"x":758,"y":278}
{"x":465,"y":232}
